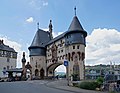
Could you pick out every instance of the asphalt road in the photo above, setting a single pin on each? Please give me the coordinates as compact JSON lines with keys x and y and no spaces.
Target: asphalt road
{"x":28,"y":87}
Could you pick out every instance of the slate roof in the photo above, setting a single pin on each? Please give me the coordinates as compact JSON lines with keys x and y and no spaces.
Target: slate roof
{"x":18,"y":70}
{"x":56,"y":38}
{"x":40,"y":39}
{"x":6,"y":48}
{"x":74,"y":26}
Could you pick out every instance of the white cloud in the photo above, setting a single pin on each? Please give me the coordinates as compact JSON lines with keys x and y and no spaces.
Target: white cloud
{"x":30,"y":20}
{"x":55,"y":34}
{"x":45,"y":3}
{"x":17,"y":47}
{"x":103,"y":46}
{"x":37,"y":4}
{"x":45,"y":29}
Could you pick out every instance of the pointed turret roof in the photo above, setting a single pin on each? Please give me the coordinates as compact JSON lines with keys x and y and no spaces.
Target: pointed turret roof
{"x":76,"y":26}
{"x":36,"y":41}
{"x":40,"y":39}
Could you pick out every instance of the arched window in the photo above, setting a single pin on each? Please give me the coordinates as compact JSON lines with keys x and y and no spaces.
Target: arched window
{"x":83,"y":56}
{"x":79,"y":55}
{"x":68,"y":56}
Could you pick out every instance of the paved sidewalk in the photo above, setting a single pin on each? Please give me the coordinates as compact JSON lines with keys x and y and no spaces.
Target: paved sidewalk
{"x":62,"y":85}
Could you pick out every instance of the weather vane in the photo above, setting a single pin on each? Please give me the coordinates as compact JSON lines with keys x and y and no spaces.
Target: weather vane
{"x":75,"y":10}
{"x":38,"y":25}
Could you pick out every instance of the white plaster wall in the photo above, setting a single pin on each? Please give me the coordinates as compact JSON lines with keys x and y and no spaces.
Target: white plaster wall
{"x":4,"y":63}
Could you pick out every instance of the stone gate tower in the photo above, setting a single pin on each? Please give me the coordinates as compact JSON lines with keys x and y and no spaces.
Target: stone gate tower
{"x":47,"y":53}
{"x":38,"y":53}
{"x":75,"y":49}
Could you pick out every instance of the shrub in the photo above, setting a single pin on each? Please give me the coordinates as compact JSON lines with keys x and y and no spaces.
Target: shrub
{"x":75,"y":77}
{"x":99,"y":81}
{"x":89,"y":85}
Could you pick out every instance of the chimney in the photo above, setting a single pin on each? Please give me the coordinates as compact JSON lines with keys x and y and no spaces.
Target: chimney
{"x":1,"y":42}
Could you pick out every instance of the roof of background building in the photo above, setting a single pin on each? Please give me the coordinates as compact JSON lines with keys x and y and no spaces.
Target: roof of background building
{"x":18,"y":70}
{"x":5,"y":47}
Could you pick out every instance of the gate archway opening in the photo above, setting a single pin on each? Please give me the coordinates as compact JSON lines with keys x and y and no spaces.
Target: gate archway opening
{"x":42,"y":73}
{"x":36,"y":72}
{"x":60,"y":72}
{"x":54,"y":68}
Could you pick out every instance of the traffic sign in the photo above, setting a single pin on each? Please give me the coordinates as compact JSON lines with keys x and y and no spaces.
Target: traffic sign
{"x":65,"y":63}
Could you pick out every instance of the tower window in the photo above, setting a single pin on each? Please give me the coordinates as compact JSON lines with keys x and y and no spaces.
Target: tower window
{"x":78,"y":47}
{"x":8,"y":60}
{"x":67,"y":37}
{"x":73,"y":47}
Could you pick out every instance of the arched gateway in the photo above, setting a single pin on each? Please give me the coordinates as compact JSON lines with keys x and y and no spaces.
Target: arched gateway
{"x":47,"y":53}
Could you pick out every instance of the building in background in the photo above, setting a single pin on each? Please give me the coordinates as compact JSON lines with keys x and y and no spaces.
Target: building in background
{"x":108,"y":72}
{"x":8,"y":58}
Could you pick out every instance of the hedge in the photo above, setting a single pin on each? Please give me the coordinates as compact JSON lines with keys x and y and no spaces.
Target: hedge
{"x":89,"y":85}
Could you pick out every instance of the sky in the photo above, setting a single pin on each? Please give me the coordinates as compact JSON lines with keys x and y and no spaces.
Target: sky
{"x":100,"y":18}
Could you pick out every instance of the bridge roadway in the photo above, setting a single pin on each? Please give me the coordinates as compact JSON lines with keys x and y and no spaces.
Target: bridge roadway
{"x":40,"y":86}
{"x":28,"y":87}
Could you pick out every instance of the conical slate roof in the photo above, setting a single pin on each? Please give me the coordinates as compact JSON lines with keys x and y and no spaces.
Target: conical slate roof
{"x":40,"y":39}
{"x":76,"y":26}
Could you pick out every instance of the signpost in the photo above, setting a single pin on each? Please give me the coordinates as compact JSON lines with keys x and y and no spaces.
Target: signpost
{"x":67,"y":69}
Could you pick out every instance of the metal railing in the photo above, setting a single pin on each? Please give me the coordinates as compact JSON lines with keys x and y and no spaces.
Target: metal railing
{"x":110,"y":87}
